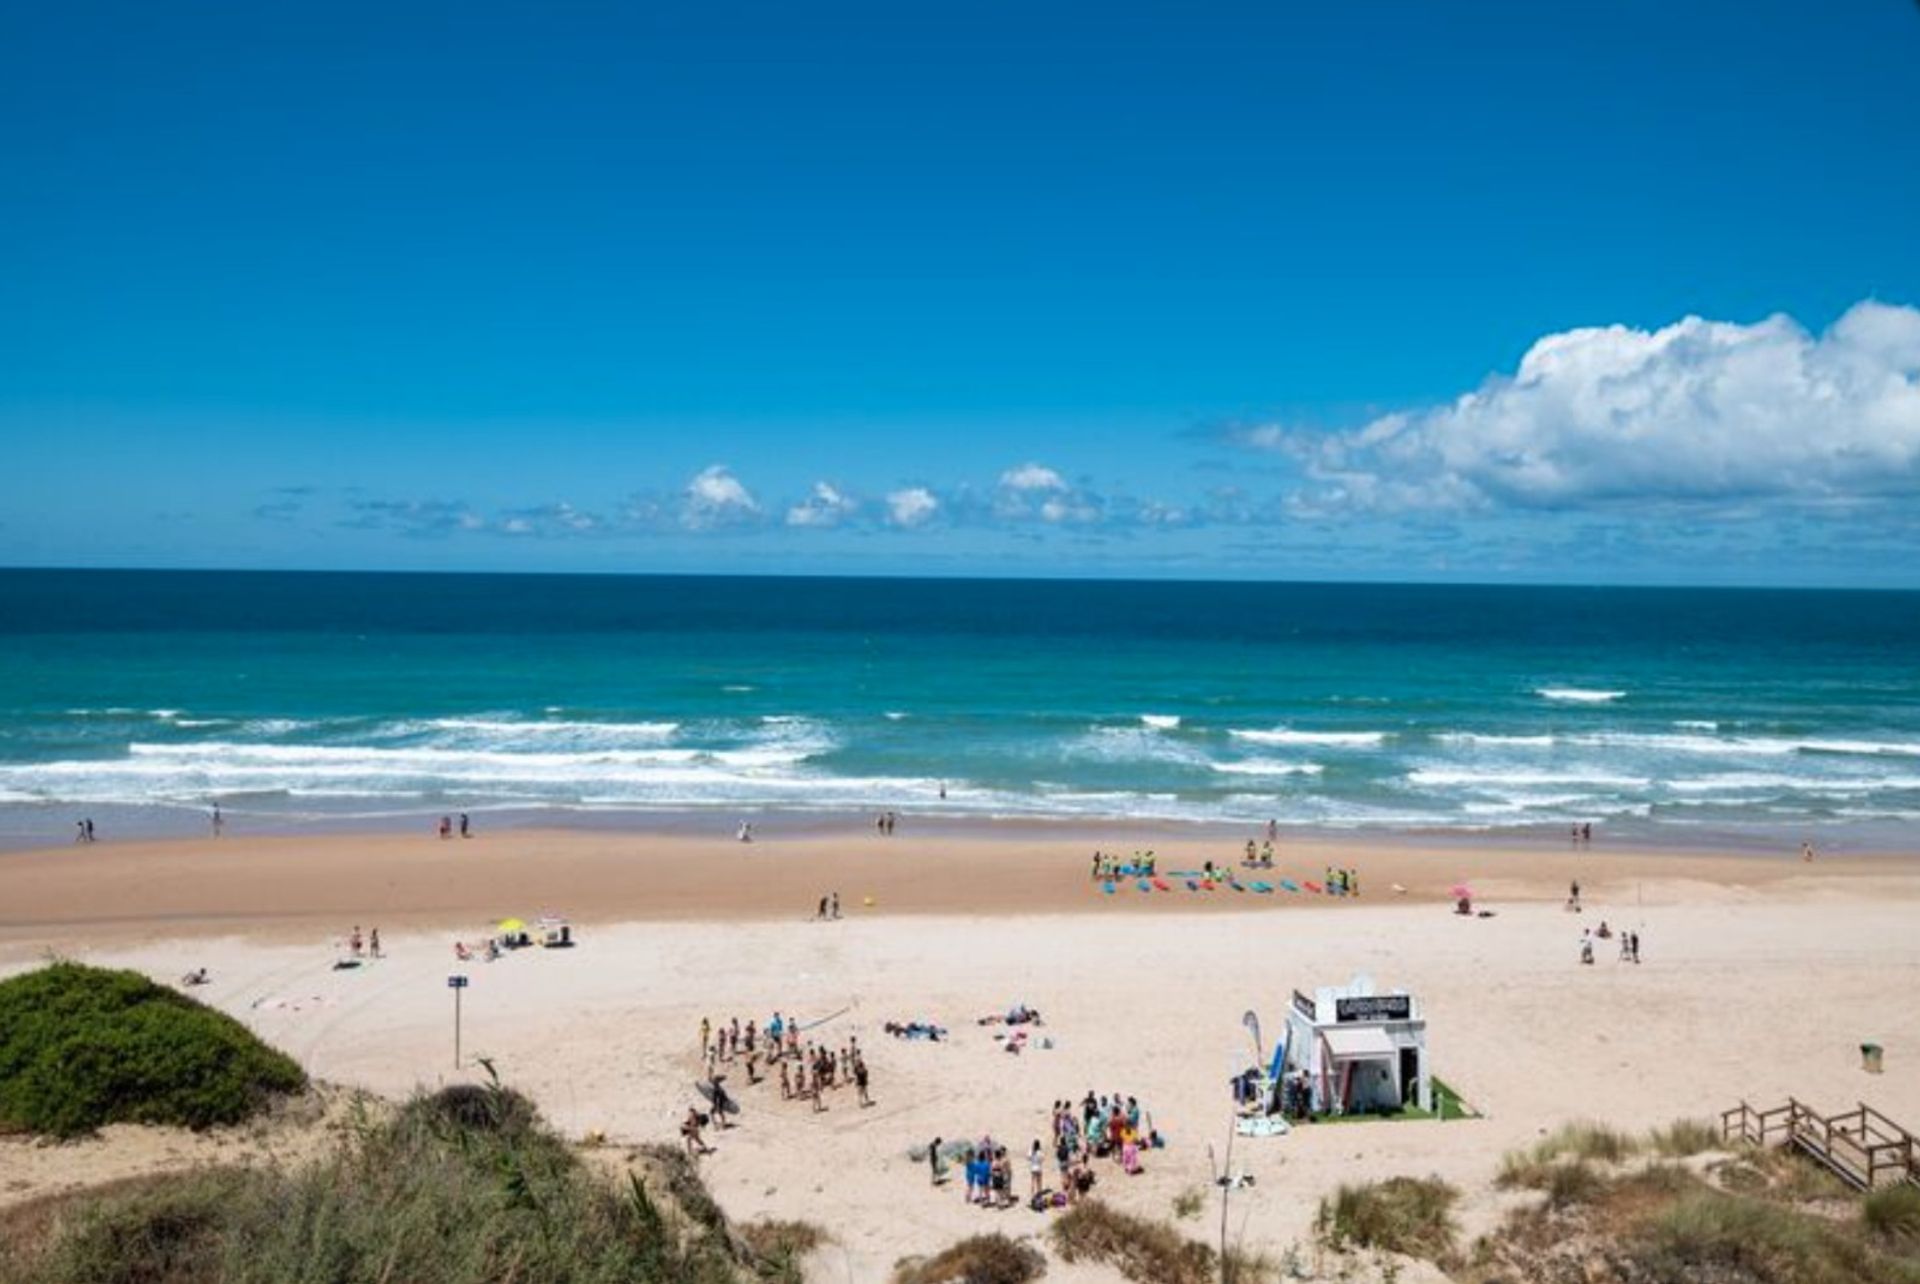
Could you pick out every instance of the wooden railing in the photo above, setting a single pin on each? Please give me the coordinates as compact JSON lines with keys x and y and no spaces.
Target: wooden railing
{"x":1861,"y":1146}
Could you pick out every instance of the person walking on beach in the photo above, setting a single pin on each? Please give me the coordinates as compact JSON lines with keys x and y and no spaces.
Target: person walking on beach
{"x":833,"y":905}
{"x":446,"y":827}
{"x":937,"y":1162}
{"x":860,"y":1079}
{"x":373,"y":942}
{"x":690,"y":1133}
{"x":1806,"y":852}
{"x":79,"y":831}
{"x":466,"y":829}
{"x":219,"y":821}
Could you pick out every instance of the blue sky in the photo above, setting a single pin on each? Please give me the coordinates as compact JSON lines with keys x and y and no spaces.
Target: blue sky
{"x":1482,"y":292}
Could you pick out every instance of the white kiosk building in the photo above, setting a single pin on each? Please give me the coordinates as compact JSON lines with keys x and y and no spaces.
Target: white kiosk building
{"x":1358,"y":1049}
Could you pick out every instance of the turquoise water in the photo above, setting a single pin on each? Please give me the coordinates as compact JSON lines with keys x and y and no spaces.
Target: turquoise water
{"x":304,"y":699}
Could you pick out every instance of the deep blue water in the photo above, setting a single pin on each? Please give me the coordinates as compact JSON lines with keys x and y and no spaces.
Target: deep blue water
{"x":303,"y":697}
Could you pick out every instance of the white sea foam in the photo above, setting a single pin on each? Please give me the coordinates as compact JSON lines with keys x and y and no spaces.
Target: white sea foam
{"x":1161,"y":721}
{"x":893,"y":715}
{"x":1667,"y":742}
{"x":1578,"y":695}
{"x":1696,"y":724}
{"x":1477,"y":738}
{"x":562,"y":728}
{"x":1451,"y":777}
{"x":1132,"y":744}
{"x":1330,"y":739}
{"x":1267,"y":767}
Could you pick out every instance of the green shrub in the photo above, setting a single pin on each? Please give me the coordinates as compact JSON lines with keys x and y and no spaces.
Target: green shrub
{"x":979,"y":1259}
{"x":1407,"y":1215}
{"x":82,"y":1046}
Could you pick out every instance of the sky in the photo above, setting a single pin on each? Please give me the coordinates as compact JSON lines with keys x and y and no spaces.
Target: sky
{"x":1478,"y":292}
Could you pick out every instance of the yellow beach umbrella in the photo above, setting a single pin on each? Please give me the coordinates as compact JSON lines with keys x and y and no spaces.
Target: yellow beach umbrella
{"x":512,"y":925}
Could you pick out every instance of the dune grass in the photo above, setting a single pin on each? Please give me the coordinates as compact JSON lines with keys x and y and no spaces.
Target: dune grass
{"x":978,"y":1259}
{"x":452,"y":1189}
{"x":1709,"y":1234}
{"x":1408,"y":1215}
{"x":1147,"y":1251}
{"x":1684,"y":1138}
{"x":82,"y":1047}
{"x":1893,"y":1212}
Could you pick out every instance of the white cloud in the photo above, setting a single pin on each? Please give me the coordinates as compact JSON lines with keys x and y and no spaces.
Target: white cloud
{"x":827,"y":505}
{"x":1699,"y":410}
{"x":715,"y":497}
{"x":914,"y":506}
{"x":1032,"y":477}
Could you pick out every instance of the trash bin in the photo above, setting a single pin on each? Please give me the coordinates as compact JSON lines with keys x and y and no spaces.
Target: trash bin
{"x":1870,"y":1057}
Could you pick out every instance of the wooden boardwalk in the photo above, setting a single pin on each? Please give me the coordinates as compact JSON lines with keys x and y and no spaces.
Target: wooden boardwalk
{"x":1861,"y":1146}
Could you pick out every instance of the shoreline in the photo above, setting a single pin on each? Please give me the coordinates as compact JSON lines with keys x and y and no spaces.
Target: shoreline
{"x":77,"y":897}
{"x":48,"y":826}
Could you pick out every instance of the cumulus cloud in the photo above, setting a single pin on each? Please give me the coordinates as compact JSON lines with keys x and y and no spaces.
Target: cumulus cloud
{"x":1032,"y":477}
{"x":715,"y":498}
{"x":1696,"y":411}
{"x":826,"y":505}
{"x":913,"y":506}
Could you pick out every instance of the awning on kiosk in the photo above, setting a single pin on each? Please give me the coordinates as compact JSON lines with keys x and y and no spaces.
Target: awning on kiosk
{"x":1360,"y":1043}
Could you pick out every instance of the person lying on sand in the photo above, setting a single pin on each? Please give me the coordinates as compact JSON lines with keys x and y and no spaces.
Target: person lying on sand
{"x":196,"y":977}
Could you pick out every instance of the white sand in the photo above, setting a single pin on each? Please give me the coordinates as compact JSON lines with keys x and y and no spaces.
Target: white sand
{"x":1741,"y":995}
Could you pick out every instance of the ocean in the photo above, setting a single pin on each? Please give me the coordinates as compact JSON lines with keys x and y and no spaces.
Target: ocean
{"x":313,"y":699}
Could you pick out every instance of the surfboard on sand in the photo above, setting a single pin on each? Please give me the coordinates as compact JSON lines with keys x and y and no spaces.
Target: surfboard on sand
{"x":1314,"y":887}
{"x":1262,"y":887}
{"x":1289,"y":884}
{"x":1161,"y":883}
{"x":1145,"y":886}
{"x":723,"y":1101}
{"x":1192,"y":886}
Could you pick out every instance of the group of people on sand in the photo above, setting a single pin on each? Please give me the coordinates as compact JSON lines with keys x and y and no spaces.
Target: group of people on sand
{"x":1110,"y":865}
{"x":447,"y":825}
{"x":829,"y":906}
{"x":806,"y":1069}
{"x":1260,"y":857}
{"x":1629,"y":943}
{"x":885,"y":823}
{"x":361,"y":947}
{"x":1583,"y":834}
{"x":1342,"y":882}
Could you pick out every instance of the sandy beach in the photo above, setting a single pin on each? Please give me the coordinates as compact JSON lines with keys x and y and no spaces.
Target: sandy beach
{"x":1760,"y":979}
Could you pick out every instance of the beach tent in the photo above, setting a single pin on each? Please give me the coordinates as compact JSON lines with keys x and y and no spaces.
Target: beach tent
{"x":1356,"y":1048}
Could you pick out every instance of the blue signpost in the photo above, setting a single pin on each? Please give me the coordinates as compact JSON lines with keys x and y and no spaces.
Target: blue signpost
{"x":456,"y":983}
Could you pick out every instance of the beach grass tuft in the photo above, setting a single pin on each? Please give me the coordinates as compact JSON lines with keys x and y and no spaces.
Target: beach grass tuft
{"x":1407,"y":1215}
{"x":978,"y":1259}
{"x":1145,"y":1251}
{"x":1684,"y":1138}
{"x":1893,"y":1211}
{"x":81,"y":1047}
